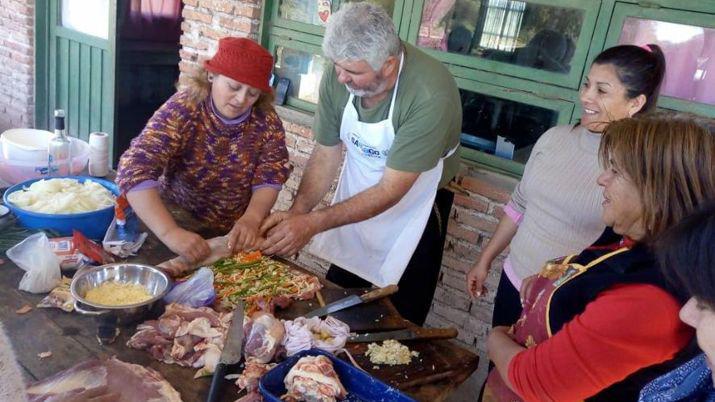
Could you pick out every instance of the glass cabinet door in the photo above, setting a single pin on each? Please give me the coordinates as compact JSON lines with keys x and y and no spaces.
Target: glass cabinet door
{"x":316,"y":12}
{"x":303,"y":66}
{"x":303,"y":69}
{"x":501,"y":126}
{"x":521,"y":38}
{"x":310,"y":16}
{"x":688,"y":42}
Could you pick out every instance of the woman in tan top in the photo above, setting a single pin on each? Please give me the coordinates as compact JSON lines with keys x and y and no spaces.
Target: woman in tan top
{"x":555,"y":209}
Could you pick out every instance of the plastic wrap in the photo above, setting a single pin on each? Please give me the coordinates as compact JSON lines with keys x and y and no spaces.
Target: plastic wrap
{"x":198,"y":291}
{"x":306,"y":333}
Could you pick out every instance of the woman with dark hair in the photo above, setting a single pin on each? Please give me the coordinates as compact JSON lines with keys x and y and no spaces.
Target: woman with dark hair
{"x":602,"y":323}
{"x":216,"y":149}
{"x":555,"y":209}
{"x":687,"y":257}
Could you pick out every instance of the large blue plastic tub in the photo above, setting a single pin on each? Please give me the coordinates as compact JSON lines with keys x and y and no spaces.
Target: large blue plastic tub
{"x":92,"y":224}
{"x":360,"y":385}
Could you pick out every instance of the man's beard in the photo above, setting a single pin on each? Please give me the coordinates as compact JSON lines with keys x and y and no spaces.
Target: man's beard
{"x":377,"y":88}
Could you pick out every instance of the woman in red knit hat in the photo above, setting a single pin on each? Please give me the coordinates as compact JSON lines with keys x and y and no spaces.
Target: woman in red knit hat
{"x":216,"y":149}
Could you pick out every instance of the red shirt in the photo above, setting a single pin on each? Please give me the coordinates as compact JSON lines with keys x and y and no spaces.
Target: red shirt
{"x":626,"y":328}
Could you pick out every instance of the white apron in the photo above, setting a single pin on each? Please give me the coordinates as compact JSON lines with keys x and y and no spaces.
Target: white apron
{"x":377,"y":249}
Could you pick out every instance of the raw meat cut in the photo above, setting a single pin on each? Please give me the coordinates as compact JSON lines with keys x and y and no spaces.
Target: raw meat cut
{"x":108,"y":380}
{"x":313,"y":379}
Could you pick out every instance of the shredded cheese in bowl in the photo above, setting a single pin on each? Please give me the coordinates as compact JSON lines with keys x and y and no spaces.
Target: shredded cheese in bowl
{"x":391,"y":352}
{"x":117,"y":294}
{"x":62,"y":196}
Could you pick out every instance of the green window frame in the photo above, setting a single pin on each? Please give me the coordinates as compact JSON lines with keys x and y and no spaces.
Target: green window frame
{"x":603,"y":20}
{"x":571,"y":80}
{"x":277,"y":31}
{"x":274,"y":42}
{"x":563,"y":109}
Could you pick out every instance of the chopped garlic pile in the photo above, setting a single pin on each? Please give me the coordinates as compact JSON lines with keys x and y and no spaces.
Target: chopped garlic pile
{"x":391,"y":352}
{"x":118,"y":294}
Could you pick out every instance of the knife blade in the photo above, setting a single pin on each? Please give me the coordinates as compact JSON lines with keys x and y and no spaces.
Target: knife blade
{"x":405,"y":335}
{"x":231,"y":353}
{"x":352,"y":300}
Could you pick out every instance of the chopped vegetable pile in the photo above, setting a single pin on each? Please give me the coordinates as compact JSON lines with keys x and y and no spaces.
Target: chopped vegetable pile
{"x":250,"y":276}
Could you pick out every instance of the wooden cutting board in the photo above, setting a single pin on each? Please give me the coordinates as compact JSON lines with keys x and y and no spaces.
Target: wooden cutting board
{"x":378,"y":315}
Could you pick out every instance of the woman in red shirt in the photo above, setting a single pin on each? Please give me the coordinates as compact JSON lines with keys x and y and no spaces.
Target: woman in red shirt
{"x":601,"y":324}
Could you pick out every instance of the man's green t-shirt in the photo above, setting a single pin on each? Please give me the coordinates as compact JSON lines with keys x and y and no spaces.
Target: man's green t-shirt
{"x":427,"y":116}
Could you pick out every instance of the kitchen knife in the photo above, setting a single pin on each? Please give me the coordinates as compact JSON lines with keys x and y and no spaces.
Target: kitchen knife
{"x":352,"y":300}
{"x":231,"y":353}
{"x":405,"y":335}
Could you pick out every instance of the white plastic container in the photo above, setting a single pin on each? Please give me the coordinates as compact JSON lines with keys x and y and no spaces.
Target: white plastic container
{"x":14,"y":171}
{"x":25,"y":144}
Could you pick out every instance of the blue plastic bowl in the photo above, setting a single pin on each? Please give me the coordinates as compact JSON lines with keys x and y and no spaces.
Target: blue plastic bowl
{"x":92,"y":224}
{"x":360,"y":385}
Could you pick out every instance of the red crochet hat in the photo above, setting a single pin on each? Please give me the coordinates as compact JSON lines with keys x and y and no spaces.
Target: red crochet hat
{"x":244,"y":61}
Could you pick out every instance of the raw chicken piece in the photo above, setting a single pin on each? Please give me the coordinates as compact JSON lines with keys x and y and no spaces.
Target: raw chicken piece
{"x":189,"y":337}
{"x":248,"y":380}
{"x":264,"y":334}
{"x":250,"y":397}
{"x":313,"y":379}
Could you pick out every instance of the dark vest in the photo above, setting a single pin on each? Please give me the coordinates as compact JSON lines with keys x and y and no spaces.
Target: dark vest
{"x":637,"y":265}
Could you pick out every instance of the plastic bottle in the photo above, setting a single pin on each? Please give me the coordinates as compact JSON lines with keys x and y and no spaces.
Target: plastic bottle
{"x":59,"y":149}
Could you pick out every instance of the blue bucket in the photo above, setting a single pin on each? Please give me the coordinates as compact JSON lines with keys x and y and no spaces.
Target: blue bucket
{"x":92,"y":224}
{"x":360,"y":385}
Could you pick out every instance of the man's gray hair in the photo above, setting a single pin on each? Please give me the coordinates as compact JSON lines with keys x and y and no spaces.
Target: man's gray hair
{"x":361,"y":31}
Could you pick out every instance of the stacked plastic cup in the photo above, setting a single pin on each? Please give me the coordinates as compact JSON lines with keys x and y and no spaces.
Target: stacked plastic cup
{"x":98,"y":154}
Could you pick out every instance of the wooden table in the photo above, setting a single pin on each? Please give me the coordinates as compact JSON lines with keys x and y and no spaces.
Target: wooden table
{"x":71,"y":338}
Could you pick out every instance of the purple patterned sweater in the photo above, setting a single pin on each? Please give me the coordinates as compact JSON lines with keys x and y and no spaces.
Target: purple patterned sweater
{"x":204,"y":165}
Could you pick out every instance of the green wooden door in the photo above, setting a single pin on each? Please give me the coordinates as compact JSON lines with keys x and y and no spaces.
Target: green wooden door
{"x":76,"y":64}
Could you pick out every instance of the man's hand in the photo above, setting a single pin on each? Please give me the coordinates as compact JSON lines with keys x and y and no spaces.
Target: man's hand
{"x":287,"y":233}
{"x":272,"y":220}
{"x":187,"y":244}
{"x":244,"y":234}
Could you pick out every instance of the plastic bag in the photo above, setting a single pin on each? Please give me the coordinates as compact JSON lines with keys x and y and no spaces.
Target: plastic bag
{"x":35,"y":256}
{"x":198,"y":291}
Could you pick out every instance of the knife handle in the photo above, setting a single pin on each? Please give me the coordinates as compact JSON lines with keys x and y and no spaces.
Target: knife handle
{"x":435,"y":333}
{"x":379,"y":293}
{"x":217,"y":382}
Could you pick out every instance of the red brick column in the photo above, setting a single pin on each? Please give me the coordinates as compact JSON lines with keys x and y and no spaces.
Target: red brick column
{"x":206,"y":21}
{"x":17,"y":60}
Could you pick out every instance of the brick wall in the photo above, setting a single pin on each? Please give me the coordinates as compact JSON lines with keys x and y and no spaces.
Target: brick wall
{"x":206,"y":21}
{"x":17,"y":104}
{"x":473,"y":218}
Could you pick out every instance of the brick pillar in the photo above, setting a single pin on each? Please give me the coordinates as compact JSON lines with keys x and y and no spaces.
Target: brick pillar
{"x":17,"y":60}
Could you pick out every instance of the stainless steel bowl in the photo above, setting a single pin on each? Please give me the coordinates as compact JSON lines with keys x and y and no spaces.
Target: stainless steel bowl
{"x":153,"y":279}
{"x":4,"y":215}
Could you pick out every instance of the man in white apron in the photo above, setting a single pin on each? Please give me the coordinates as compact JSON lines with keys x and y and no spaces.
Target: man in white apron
{"x":397,"y":113}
